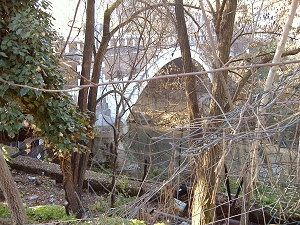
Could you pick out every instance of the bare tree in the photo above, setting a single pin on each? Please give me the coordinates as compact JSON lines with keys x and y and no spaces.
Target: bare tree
{"x":190,"y":81}
{"x":141,"y":57}
{"x":280,"y":48}
{"x":224,"y":20}
{"x":11,"y":194}
{"x":134,"y":22}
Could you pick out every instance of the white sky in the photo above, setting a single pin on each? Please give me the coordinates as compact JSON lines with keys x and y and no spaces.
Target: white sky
{"x":63,"y":12}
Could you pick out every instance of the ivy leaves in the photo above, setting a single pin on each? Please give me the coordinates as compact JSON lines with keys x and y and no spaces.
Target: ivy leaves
{"x":27,"y":59}
{"x":11,"y":118}
{"x":28,"y":47}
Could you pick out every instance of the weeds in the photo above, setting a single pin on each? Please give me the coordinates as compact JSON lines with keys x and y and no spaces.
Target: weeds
{"x":47,"y":212}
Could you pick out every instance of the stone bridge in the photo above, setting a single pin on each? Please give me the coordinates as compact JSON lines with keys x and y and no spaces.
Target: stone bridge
{"x":106,"y":110}
{"x":134,"y":90}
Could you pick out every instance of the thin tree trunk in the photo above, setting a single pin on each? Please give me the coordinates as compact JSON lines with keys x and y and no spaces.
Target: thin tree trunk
{"x":87,"y":54}
{"x":205,"y":163}
{"x":190,"y":81}
{"x":114,"y":152}
{"x":199,"y":213}
{"x":280,"y":49}
{"x":106,"y":35}
{"x":74,"y":203}
{"x":270,"y":79}
{"x":224,"y":37}
{"x":71,"y":29}
{"x":79,"y":163}
{"x":92,"y":97}
{"x":74,"y":177}
{"x":203,"y":199}
{"x":11,"y":194}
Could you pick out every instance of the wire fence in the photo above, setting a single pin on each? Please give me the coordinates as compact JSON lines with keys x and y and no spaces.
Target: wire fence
{"x":258,"y":166}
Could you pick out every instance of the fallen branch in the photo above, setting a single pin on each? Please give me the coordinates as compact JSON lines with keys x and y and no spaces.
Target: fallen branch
{"x":97,"y":182}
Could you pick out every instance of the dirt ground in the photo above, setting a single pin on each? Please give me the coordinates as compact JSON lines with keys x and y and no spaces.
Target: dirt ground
{"x":38,"y":190}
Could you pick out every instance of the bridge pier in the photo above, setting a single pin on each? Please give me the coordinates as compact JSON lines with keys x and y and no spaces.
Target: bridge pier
{"x":101,"y":148}
{"x":104,"y":137}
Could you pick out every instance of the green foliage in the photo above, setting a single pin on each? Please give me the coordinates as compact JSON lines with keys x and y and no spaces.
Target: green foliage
{"x":262,"y":73}
{"x":95,"y":169}
{"x":155,"y":172}
{"x":40,"y":213}
{"x":47,"y":212}
{"x":123,"y":199}
{"x":122,"y":185}
{"x":109,"y":221}
{"x":234,"y":185}
{"x":137,"y":222}
{"x":101,"y":204}
{"x":4,"y":211}
{"x":6,"y":152}
{"x":118,"y":221}
{"x":29,"y":65}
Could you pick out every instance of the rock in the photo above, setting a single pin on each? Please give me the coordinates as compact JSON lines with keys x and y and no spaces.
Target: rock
{"x":38,"y":182}
{"x":32,"y":197}
{"x":52,"y":181}
{"x":31,"y":178}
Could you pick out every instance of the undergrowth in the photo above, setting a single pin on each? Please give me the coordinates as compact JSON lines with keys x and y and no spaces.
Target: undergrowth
{"x":56,"y":213}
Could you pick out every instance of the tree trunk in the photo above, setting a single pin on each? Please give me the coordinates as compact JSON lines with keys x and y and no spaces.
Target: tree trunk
{"x":205,"y":163}
{"x":280,"y":49}
{"x":106,"y":35}
{"x":114,"y":153}
{"x":203,"y":189}
{"x":201,"y":205}
{"x":11,"y":194}
{"x":73,"y":179}
{"x":87,"y":54}
{"x":190,"y":81}
{"x":79,"y":165}
{"x":74,"y":203}
{"x":224,"y":37}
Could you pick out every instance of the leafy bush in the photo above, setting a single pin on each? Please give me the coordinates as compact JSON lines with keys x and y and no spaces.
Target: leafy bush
{"x":102,"y":205}
{"x":29,"y":65}
{"x":48,"y":212}
{"x":4,"y":212}
{"x":118,"y":220}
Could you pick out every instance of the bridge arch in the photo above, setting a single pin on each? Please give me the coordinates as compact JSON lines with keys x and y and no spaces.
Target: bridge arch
{"x":134,"y":90}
